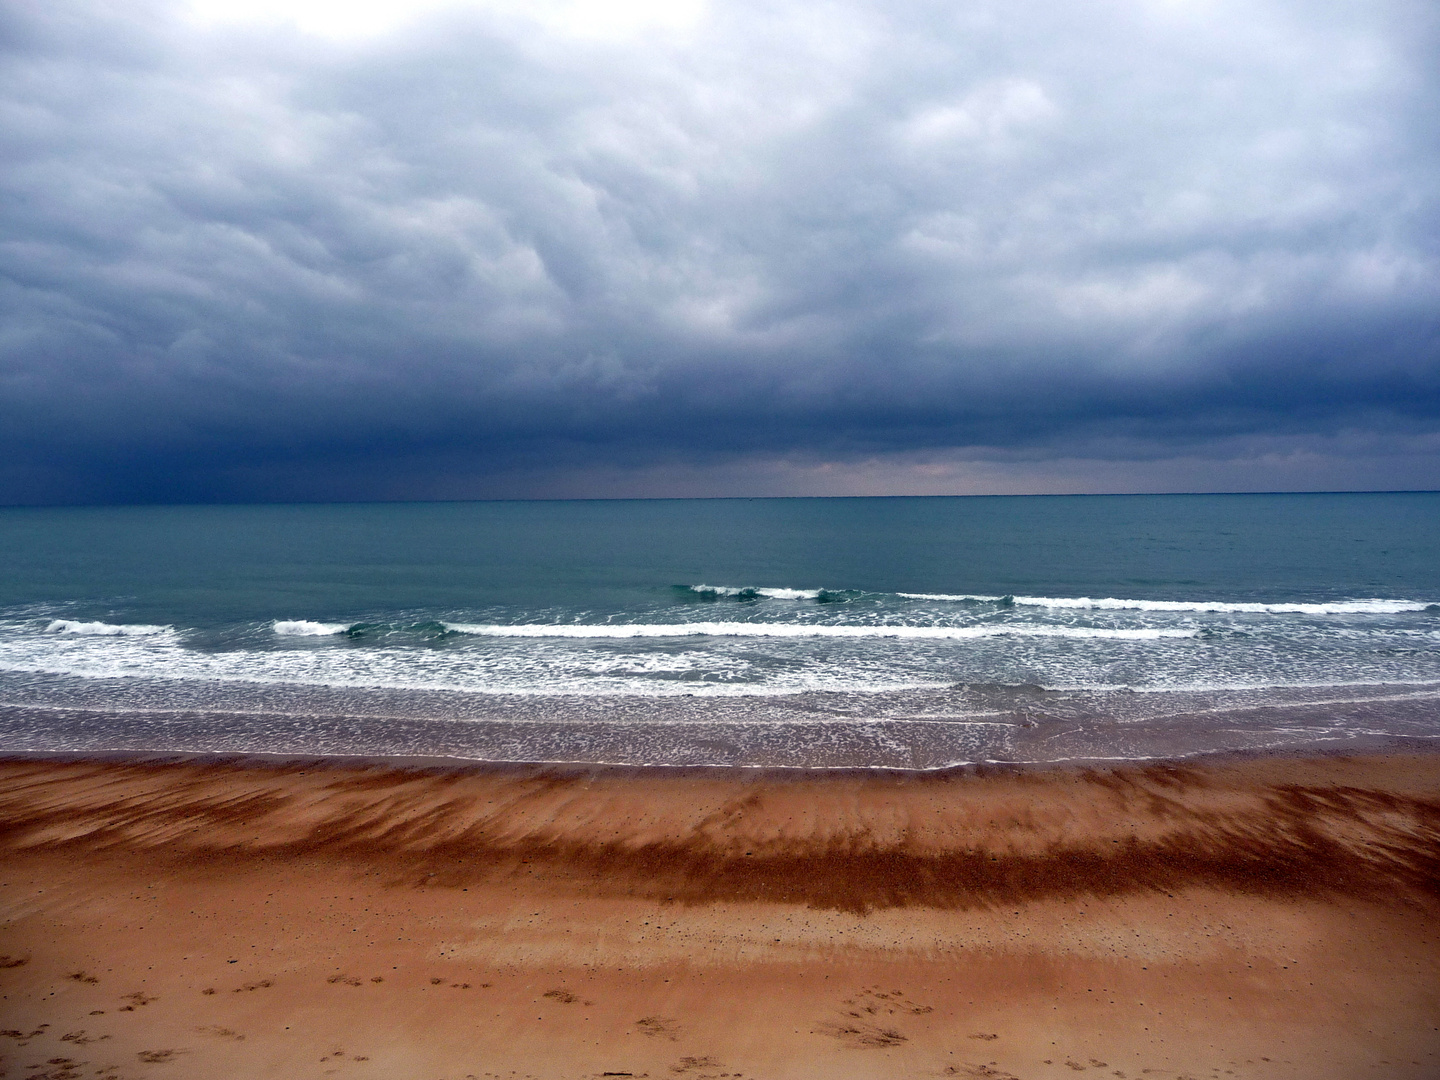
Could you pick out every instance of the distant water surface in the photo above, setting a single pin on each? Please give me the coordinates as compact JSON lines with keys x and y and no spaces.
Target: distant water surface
{"x":809,"y":632}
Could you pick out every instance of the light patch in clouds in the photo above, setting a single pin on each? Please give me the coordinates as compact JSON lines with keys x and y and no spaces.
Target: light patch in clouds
{"x":992,"y":118}
{"x":1165,"y":292}
{"x":356,"y":20}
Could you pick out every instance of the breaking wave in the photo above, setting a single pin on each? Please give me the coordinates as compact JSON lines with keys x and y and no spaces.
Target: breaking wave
{"x":752,"y":593}
{"x":796,"y":630}
{"x":104,"y":629}
{"x":306,"y":628}
{"x":1086,"y":603}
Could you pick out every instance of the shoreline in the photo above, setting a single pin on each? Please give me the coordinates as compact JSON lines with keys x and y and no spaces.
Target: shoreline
{"x":912,"y":731}
{"x":1266,"y":915}
{"x":1361,"y":747}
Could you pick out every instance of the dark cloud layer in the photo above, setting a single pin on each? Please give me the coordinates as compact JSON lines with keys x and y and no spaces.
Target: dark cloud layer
{"x":819,"y":247}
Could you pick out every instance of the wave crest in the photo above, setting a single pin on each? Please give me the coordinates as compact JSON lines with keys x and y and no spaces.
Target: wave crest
{"x":1110,"y":603}
{"x":801,"y":630}
{"x":306,"y":628}
{"x":104,"y":629}
{"x":753,"y":593}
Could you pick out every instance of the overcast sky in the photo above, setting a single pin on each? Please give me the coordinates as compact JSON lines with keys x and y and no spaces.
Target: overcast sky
{"x":324,"y":250}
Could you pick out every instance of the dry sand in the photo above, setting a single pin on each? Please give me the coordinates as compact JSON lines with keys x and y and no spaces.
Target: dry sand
{"x":1261,"y":918}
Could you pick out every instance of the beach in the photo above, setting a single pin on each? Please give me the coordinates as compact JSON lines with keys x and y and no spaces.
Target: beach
{"x":247,"y":917}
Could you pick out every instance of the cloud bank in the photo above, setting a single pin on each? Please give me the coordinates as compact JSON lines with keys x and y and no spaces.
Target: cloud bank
{"x":463,"y":250}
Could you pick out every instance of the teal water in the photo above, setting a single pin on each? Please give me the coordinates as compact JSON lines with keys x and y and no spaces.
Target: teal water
{"x":897,"y":632}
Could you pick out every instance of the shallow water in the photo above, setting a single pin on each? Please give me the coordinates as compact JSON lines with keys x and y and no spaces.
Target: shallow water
{"x":806,"y":632}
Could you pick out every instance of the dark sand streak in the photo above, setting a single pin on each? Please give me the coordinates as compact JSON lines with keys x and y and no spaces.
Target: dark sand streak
{"x":1175,"y":828}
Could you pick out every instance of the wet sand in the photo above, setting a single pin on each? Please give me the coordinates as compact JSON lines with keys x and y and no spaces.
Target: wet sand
{"x":1251,"y":918}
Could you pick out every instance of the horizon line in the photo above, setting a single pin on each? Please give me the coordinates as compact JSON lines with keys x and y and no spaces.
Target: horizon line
{"x":710,"y":498}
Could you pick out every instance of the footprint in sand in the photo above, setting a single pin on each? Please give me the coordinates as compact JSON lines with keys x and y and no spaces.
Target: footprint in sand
{"x":79,"y":1038}
{"x":877,"y":1002}
{"x":221,"y":1032}
{"x":861,"y":1035}
{"x":338,"y":1054}
{"x":23,"y":1037}
{"x":987,"y":1072}
{"x":862,"y":1024}
{"x":159,"y":1057}
{"x":695,"y":1064}
{"x":61,"y":1069}
{"x":659,"y":1027}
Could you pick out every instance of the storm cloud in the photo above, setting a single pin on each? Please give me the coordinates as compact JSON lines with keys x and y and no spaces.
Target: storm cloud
{"x":736,"y":248}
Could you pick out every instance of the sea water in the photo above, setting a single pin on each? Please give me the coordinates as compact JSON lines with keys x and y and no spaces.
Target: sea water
{"x":884,"y":632}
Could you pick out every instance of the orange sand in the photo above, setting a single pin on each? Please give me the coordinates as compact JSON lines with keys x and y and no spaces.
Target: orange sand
{"x":1264,"y":918}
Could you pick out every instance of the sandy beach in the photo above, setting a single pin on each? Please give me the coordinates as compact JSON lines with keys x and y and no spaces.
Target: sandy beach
{"x":1271,"y":917}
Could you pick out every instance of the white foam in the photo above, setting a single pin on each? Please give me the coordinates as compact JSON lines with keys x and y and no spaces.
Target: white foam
{"x":771,"y":594}
{"x":306,"y":628}
{"x":803,"y":630}
{"x":559,"y":660}
{"x":104,"y":629}
{"x":544,"y":669}
{"x":1086,"y":603}
{"x":951,"y":596}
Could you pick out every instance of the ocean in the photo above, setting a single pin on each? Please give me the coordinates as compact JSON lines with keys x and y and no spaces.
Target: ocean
{"x":912,"y":633}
